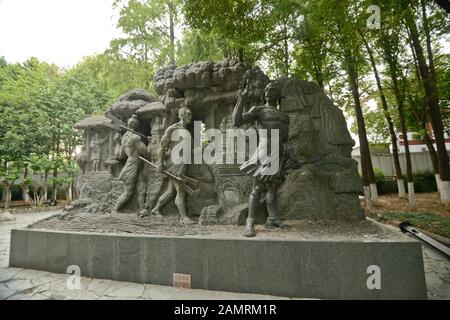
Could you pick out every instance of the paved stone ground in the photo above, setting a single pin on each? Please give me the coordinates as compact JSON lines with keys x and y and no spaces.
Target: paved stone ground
{"x":16,"y":283}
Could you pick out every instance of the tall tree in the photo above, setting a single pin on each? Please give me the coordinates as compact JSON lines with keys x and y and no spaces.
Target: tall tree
{"x":390,"y":45}
{"x":340,"y":19}
{"x":148,"y":29}
{"x":428,"y":79}
{"x":387,"y":116}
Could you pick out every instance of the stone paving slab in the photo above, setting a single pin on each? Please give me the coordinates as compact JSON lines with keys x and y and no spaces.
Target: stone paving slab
{"x":17,"y":283}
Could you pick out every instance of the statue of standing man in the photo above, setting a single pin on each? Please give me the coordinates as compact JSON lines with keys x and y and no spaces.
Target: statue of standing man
{"x":268,"y":117}
{"x":174,"y":188}
{"x":132,"y":147}
{"x":96,"y":148}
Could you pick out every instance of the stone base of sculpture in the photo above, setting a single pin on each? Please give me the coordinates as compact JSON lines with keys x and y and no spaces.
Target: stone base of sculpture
{"x":361,"y":260}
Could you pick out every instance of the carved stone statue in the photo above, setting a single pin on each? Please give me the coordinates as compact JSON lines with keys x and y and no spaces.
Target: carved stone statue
{"x":320,"y":179}
{"x":117,"y":144}
{"x":114,"y":161}
{"x":267,"y":117}
{"x":174,"y":188}
{"x":132,"y":147}
{"x":82,"y":160}
{"x":96,"y":149}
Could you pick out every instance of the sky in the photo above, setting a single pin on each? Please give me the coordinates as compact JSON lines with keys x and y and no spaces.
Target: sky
{"x":57,"y":31}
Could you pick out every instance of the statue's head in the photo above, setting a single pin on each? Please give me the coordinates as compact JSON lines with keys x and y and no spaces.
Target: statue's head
{"x":185,"y":114}
{"x":272,"y":91}
{"x":117,"y":136}
{"x":133,"y":122}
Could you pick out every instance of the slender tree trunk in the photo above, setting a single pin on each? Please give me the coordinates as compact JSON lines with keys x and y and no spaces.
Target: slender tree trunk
{"x":7,"y":189}
{"x":401,"y":114}
{"x":26,"y":188}
{"x":434,"y":160}
{"x":69,"y":192}
{"x":319,"y":77}
{"x":331,"y":92}
{"x":241,"y":54}
{"x":286,"y":51}
{"x":432,"y":98}
{"x":387,"y":116}
{"x":45,"y":187}
{"x":55,"y":186}
{"x":172,"y":31}
{"x":368,"y":177}
{"x":409,"y":174}
{"x":428,"y":42}
{"x":432,"y":71}
{"x":55,"y":171}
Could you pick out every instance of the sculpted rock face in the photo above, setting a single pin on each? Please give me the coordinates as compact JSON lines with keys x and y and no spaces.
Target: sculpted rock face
{"x":327,"y":185}
{"x":203,"y":86}
{"x":129,"y":103}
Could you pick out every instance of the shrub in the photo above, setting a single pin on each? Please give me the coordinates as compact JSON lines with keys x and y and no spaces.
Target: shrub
{"x":423,"y":182}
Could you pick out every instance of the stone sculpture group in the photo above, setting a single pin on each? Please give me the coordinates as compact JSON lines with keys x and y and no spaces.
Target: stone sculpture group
{"x":126,"y":165}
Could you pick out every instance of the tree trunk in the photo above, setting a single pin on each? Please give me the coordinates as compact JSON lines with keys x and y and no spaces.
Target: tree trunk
{"x":55,"y":186}
{"x":69,"y":192}
{"x":286,"y":51}
{"x":45,"y":187}
{"x":7,"y":190}
{"x":172,"y":31}
{"x":25,"y":188}
{"x":319,"y":77}
{"x":432,"y":71}
{"x":331,"y":92}
{"x":368,"y":177}
{"x":434,"y":160}
{"x":387,"y":116}
{"x":404,"y":129}
{"x":429,"y":84}
{"x":241,"y":54}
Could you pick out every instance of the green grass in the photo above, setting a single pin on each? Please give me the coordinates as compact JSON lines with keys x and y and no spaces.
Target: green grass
{"x":427,"y":221}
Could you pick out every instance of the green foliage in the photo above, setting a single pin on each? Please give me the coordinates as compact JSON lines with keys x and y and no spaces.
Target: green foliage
{"x":148,"y":34}
{"x":376,"y":126}
{"x":9,"y":174}
{"x":39,"y":104}
{"x":198,"y":46}
{"x":423,"y":182}
{"x":244,"y":24}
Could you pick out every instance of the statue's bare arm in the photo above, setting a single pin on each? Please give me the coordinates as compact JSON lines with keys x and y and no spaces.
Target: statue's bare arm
{"x":240,"y":118}
{"x":164,"y":144}
{"x":122,"y":155}
{"x":140,"y":146}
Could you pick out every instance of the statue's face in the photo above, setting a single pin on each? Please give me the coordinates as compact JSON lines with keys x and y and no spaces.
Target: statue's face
{"x":271,"y":93}
{"x":186,"y":116}
{"x":133,"y":124}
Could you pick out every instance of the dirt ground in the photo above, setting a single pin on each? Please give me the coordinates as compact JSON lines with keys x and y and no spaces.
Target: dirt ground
{"x":425,"y":203}
{"x":122,"y":223}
